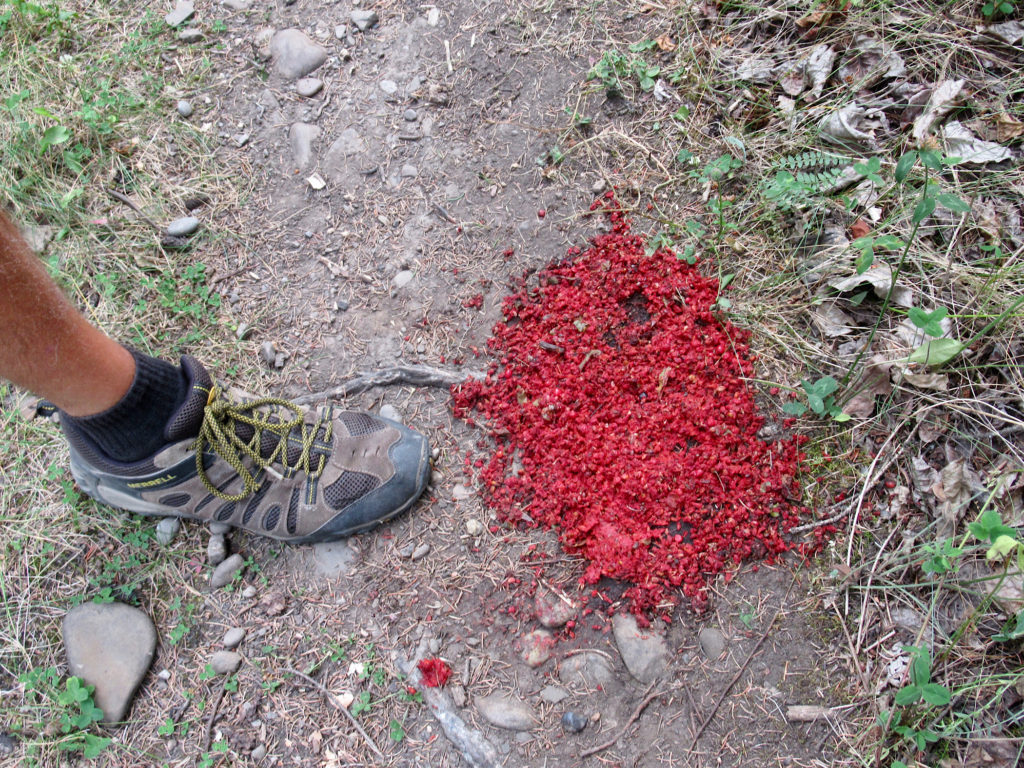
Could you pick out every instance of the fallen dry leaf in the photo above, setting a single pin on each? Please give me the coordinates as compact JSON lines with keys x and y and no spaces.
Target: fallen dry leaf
{"x":666,"y":44}
{"x":942,"y":100}
{"x":1008,"y":127}
{"x":971,"y":150}
{"x":859,"y":228}
{"x":852,"y":126}
{"x":879,"y":277}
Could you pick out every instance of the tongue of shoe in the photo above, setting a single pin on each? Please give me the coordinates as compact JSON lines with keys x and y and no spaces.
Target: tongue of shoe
{"x":187,"y":420}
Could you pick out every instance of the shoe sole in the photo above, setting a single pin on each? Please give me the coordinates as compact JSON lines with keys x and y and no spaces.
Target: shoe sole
{"x":92,"y":484}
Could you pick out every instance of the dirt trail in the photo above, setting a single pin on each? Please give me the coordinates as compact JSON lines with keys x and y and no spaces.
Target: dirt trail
{"x":424,"y":138}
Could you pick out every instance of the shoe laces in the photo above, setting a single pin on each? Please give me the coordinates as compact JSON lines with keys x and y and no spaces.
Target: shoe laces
{"x":218,"y":434}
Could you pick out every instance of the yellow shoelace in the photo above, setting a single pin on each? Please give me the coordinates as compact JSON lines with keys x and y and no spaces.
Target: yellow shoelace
{"x":218,"y":434}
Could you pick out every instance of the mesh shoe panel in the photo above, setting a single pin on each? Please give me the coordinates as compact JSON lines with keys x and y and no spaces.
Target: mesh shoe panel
{"x":254,"y":502}
{"x":175,"y":499}
{"x":293,"y":511}
{"x":272,"y":517}
{"x":359,"y":424}
{"x":349,"y":487}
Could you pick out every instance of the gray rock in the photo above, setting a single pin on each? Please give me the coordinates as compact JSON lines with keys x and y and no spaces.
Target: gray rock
{"x":553,"y":694}
{"x":183,"y":227}
{"x":389,"y":411}
{"x":421,"y":551}
{"x":224,"y":573}
{"x":110,"y":646}
{"x":409,"y":171}
{"x":301,"y":137}
{"x":7,"y":745}
{"x":249,"y":592}
{"x":225,"y":662}
{"x":473,"y":526}
{"x":185,"y":108}
{"x":536,"y":647}
{"x":586,"y":670}
{"x":218,"y":528}
{"x":390,"y":87}
{"x":268,"y":352}
{"x":217,"y":549}
{"x":233,"y":638}
{"x":573,"y":722}
{"x":506,"y":711}
{"x":461,"y":492}
{"x":410,"y":115}
{"x":294,"y":54}
{"x":364,"y":19}
{"x":712,"y":642}
{"x":402,"y":279}
{"x":258,"y":753}
{"x":236,"y":5}
{"x":190,"y":35}
{"x":644,"y":652}
{"x":308,"y":86}
{"x":182,"y":12}
{"x":553,"y":610}
{"x":240,"y":139}
{"x":334,"y":558}
{"x":166,"y":530}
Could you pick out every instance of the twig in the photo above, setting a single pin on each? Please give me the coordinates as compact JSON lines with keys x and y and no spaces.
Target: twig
{"x":127,"y":201}
{"x":472,"y":745}
{"x":213,"y":716}
{"x":648,"y":698}
{"x":335,"y":703}
{"x":417,"y":375}
{"x":742,"y":669}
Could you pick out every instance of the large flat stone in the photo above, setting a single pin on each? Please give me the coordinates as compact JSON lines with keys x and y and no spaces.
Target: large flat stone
{"x":643,"y":651}
{"x":110,"y":646}
{"x":294,"y":54}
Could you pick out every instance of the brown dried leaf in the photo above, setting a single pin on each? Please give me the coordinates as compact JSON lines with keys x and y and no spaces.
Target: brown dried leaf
{"x":665,"y":43}
{"x":1008,"y":127}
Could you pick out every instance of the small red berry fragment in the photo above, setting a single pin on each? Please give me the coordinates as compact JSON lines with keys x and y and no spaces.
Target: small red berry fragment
{"x":541,"y":213}
{"x":435,"y":672}
{"x":474,"y":302}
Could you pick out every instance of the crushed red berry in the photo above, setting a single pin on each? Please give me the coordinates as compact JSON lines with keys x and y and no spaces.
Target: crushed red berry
{"x":435,"y":672}
{"x":621,"y":417}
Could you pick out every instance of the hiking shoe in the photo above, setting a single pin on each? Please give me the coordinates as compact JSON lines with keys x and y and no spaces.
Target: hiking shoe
{"x":264,"y":465}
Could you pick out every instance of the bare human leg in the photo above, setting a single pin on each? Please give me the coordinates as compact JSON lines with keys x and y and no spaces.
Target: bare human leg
{"x":48,"y":347}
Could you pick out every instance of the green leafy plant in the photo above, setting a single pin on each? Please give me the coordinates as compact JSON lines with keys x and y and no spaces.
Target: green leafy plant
{"x":800,"y":180}
{"x":71,"y":707}
{"x":614,"y":69}
{"x":396,"y":730}
{"x":920,"y":687}
{"x":939,"y":556}
{"x":993,"y":7}
{"x":820,"y":399}
{"x":362,"y":703}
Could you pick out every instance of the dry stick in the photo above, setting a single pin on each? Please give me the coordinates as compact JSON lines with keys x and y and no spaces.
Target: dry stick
{"x":742,"y":669}
{"x":417,"y":375}
{"x":127,"y":201}
{"x":648,"y":698}
{"x":211,"y":718}
{"x":334,"y":702}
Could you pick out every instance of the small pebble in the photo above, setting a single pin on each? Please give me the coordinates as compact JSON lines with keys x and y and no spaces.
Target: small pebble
{"x":364,"y":19}
{"x":217,"y":549}
{"x":225,"y":662}
{"x":240,"y":139}
{"x":243,"y":332}
{"x":233,"y":637}
{"x":436,"y":478}
{"x":185,"y":108}
{"x":391,"y":413}
{"x":474,"y":527}
{"x":164,"y":674}
{"x":166,"y":530}
{"x":390,"y":87}
{"x":410,"y":115}
{"x":309,"y":86}
{"x":268,"y":352}
{"x":190,"y":35}
{"x":409,"y":171}
{"x":342,"y":305}
{"x":573,"y":722}
{"x":224,"y":573}
{"x":421,"y":551}
{"x":461,"y":492}
{"x":403,"y":278}
{"x":183,"y":227}
{"x":259,"y":753}
{"x":249,"y":592}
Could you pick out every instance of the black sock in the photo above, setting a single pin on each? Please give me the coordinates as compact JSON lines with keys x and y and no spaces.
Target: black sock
{"x":133,"y":429}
